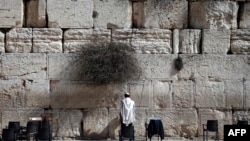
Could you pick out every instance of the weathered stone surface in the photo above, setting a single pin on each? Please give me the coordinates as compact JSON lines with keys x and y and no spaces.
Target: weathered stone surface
{"x":177,"y":121}
{"x":23,"y":66}
{"x":145,"y":41}
{"x":36,"y":13}
{"x":70,"y":13}
{"x":157,"y":66}
{"x":90,"y":119}
{"x":67,"y":123}
{"x":240,"y":41}
{"x":76,"y":94}
{"x":213,"y":14}
{"x":242,"y":114}
{"x":168,"y":14}
{"x":19,"y":114}
{"x":234,"y":94}
{"x":247,"y":94}
{"x":11,"y":14}
{"x":189,"y":41}
{"x":183,"y":94}
{"x":209,"y":94}
{"x":244,"y":15}
{"x":214,"y":67}
{"x":215,"y":41}
{"x":12,"y":94}
{"x":37,"y":93}
{"x":114,"y":123}
{"x":162,"y":94}
{"x":141,"y":93}
{"x":2,"y":42}
{"x":75,"y":40}
{"x":19,"y":40}
{"x":112,"y":14}
{"x":223,"y":117}
{"x":47,"y":40}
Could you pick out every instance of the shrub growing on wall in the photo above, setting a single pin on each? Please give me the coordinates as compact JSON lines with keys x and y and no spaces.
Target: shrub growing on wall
{"x":109,"y":63}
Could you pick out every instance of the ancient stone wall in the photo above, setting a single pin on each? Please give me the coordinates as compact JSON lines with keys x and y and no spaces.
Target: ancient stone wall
{"x":41,"y":43}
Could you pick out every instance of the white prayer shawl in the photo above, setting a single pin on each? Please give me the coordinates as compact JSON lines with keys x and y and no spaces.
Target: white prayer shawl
{"x":127,"y":111}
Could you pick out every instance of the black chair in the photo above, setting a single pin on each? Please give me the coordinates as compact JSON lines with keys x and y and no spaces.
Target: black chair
{"x":43,"y":134}
{"x":8,"y":134}
{"x":127,"y":132}
{"x":44,"y":124}
{"x":211,"y":126}
{"x":16,"y":126}
{"x":31,"y":130}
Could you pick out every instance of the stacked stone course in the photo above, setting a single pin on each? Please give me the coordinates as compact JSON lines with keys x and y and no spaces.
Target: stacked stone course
{"x":41,"y":42}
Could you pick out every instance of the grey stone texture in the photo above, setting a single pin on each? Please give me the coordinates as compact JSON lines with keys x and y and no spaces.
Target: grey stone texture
{"x":47,"y":40}
{"x":240,"y":43}
{"x":145,"y":41}
{"x":19,"y":40}
{"x":76,"y":40}
{"x":112,"y":14}
{"x":70,"y":13}
{"x":163,"y":14}
{"x":216,"y":41}
{"x":12,"y":12}
{"x":213,"y":14}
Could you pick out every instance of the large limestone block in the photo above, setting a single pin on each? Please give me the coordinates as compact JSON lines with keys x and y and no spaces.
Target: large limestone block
{"x":70,"y":13}
{"x":162,"y":94}
{"x":240,"y":41}
{"x":183,"y":94}
{"x":213,"y":14}
{"x":37,"y":93}
{"x":23,"y":66}
{"x":75,"y":40}
{"x":67,"y":123}
{"x":12,"y":94}
{"x":19,"y":40}
{"x":188,"y":41}
{"x":77,"y":94}
{"x":12,"y":12}
{"x":47,"y":40}
{"x":209,"y":94}
{"x":168,"y":14}
{"x":245,"y":15}
{"x":20,"y":114}
{"x":145,"y":41}
{"x":2,"y":42}
{"x":214,"y":67}
{"x":157,"y":66}
{"x":36,"y":13}
{"x":96,"y":125}
{"x":177,"y":121}
{"x":234,"y":94}
{"x":223,"y":117}
{"x":112,"y":14}
{"x":141,"y":93}
{"x":215,"y":41}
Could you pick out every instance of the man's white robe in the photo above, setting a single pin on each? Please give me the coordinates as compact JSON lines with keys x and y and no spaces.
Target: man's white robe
{"x":127,"y":111}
